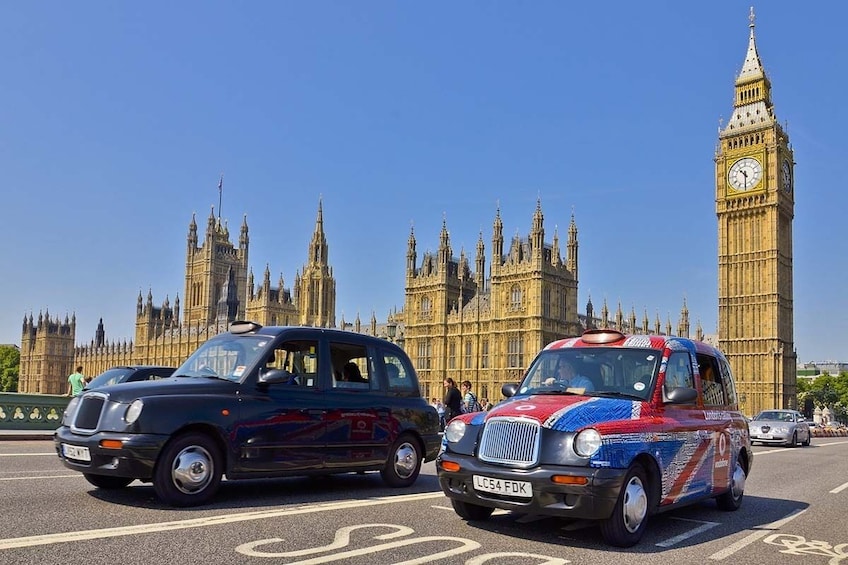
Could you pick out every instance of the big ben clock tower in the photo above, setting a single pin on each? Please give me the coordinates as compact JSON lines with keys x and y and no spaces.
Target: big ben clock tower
{"x":755,"y":207}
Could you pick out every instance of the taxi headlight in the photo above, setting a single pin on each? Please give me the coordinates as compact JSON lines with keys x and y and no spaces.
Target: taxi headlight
{"x":455,"y":431}
{"x":134,"y":411}
{"x":70,"y":411}
{"x":781,"y":430}
{"x":587,"y":442}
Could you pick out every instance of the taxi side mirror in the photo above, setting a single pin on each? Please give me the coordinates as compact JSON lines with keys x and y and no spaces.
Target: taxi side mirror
{"x":681,"y":395}
{"x":509,"y":389}
{"x":273,"y":376}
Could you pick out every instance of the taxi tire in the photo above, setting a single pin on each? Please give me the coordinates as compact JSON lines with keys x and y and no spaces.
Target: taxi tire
{"x":404,"y":462}
{"x":732,"y":499}
{"x":626,"y":525}
{"x":808,"y":440}
{"x":107,"y":482}
{"x":197,"y":457}
{"x":469,"y":511}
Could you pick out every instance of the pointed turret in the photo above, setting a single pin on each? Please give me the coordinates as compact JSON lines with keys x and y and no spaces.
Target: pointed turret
{"x":445,"y":251}
{"x":571,"y":260}
{"x":411,"y":254}
{"x":480,"y":264}
{"x":192,"y":234}
{"x":683,"y":325}
{"x":497,"y":241}
{"x":537,"y":231}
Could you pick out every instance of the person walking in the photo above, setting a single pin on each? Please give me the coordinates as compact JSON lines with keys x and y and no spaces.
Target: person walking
{"x":440,"y":410}
{"x":76,"y":382}
{"x":452,"y":400}
{"x":469,"y":401}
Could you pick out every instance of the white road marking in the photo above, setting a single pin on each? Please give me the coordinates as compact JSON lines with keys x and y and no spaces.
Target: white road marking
{"x":688,"y":534}
{"x":761,"y":531}
{"x":76,"y":475}
{"x":840,"y":488}
{"x":83,"y":535}
{"x":26,"y":454}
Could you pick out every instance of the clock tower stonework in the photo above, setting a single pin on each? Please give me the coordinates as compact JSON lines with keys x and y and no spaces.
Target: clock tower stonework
{"x":755,"y":208}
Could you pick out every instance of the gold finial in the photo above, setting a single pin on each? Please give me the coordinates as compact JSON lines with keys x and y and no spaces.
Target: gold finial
{"x":751,"y":17}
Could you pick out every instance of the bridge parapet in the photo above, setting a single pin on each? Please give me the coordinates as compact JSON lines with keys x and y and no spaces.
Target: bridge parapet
{"x":31,"y":411}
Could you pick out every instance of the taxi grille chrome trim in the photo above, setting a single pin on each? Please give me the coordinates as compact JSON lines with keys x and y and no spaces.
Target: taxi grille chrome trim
{"x":87,"y":417}
{"x":511,"y":441}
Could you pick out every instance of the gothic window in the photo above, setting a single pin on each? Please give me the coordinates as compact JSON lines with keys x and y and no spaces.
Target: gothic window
{"x":468,"y":354}
{"x":424,"y":354}
{"x":546,"y":303}
{"x":484,"y":356}
{"x":515,"y":297}
{"x":515,"y":352}
{"x":452,"y":355}
{"x":425,"y":306}
{"x":562,"y":313}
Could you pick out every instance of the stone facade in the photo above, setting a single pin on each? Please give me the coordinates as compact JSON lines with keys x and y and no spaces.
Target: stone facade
{"x":219,"y":288}
{"x":755,"y":209}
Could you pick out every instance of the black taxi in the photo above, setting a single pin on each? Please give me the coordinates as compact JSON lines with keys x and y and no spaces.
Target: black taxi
{"x":256,"y":402}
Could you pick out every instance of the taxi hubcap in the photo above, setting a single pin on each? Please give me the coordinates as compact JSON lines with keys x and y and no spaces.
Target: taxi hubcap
{"x":406,"y":460}
{"x":738,"y":485}
{"x":635,"y":504}
{"x":192,"y":469}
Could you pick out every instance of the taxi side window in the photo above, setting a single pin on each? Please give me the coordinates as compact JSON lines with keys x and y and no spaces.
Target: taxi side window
{"x":399,"y":375}
{"x":712,"y":382}
{"x":678,"y":372}
{"x":300,"y":358}
{"x":352,"y":368}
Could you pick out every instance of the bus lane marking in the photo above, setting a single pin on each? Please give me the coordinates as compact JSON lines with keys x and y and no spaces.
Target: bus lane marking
{"x":798,"y":545}
{"x":342,"y":539}
{"x":760,"y":532}
{"x":83,"y":535}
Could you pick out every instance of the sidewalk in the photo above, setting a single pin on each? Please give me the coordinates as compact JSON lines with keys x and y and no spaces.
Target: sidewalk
{"x":25,"y":434}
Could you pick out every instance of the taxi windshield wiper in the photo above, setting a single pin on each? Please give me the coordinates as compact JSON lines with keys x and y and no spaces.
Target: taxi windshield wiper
{"x":614,"y":394}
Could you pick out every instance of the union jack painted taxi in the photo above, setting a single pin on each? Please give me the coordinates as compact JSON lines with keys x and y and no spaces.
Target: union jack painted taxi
{"x":647,"y":424}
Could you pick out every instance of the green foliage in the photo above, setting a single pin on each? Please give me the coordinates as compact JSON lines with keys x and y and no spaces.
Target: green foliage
{"x":827,"y":391}
{"x":10,"y":368}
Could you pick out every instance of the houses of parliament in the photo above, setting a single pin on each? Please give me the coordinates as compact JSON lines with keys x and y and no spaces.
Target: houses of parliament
{"x":485,"y":321}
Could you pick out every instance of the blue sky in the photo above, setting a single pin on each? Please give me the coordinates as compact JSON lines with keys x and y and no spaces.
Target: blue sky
{"x":117,"y":118}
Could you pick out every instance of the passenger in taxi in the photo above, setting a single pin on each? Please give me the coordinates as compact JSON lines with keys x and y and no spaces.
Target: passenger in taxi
{"x":567,"y":377}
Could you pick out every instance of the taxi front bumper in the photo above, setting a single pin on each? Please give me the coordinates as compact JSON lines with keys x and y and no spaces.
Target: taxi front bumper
{"x":135,"y":458}
{"x":595,"y":500}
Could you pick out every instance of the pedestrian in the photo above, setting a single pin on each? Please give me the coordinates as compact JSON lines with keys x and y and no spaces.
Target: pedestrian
{"x":76,"y":382}
{"x":487,"y":405}
{"x":452,"y":400}
{"x":469,"y":401}
{"x":440,"y":410}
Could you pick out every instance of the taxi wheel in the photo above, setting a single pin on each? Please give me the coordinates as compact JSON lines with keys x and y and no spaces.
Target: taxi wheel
{"x":630,"y":516}
{"x":470,"y":511}
{"x":188,"y":471}
{"x":732,"y":499}
{"x":107,"y":482}
{"x":809,"y":439}
{"x":404,"y":462}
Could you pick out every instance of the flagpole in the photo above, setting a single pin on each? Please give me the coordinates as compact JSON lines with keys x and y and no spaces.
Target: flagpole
{"x":220,"y":191}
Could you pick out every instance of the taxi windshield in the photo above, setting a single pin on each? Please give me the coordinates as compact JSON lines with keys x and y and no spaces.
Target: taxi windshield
{"x":224,"y":357}
{"x":596,"y":371}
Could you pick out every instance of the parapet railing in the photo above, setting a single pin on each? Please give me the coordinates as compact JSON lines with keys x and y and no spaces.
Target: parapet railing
{"x":31,"y":411}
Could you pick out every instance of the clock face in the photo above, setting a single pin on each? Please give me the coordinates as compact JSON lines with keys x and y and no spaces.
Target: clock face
{"x":745,"y":174}
{"x":787,"y":176}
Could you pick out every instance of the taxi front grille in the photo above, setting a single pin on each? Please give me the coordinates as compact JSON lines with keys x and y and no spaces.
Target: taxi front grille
{"x":88,"y":412}
{"x":510,"y":441}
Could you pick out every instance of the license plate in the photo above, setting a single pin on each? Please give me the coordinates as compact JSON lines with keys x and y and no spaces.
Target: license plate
{"x":765,"y":436}
{"x":504,"y":487}
{"x":75,"y":452}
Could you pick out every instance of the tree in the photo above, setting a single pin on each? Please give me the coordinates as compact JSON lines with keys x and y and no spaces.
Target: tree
{"x":10,"y":368}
